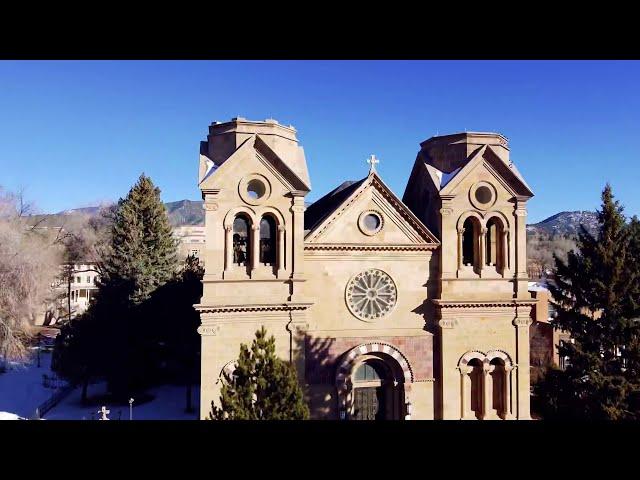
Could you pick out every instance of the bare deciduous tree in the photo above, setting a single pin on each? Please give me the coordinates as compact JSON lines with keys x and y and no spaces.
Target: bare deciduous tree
{"x":29,"y":265}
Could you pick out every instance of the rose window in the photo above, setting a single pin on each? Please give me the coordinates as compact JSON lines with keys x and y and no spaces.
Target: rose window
{"x":371,"y":294}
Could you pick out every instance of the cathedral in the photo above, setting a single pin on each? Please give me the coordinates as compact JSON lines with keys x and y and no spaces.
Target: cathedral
{"x":390,"y":308}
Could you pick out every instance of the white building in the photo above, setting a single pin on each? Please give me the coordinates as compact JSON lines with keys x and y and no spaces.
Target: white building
{"x":191,"y":239}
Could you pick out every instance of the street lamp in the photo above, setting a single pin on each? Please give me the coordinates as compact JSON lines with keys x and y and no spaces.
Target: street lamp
{"x":131,"y":408}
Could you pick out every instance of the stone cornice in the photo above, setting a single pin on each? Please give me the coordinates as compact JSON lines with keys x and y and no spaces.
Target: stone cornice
{"x":466,"y":304}
{"x":253,"y":307}
{"x":368,"y":247}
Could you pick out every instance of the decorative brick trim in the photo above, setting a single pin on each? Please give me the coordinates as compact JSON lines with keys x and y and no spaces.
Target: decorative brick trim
{"x":344,"y":369}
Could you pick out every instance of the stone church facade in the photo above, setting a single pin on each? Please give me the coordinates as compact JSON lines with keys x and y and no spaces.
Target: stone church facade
{"x":412,"y":308}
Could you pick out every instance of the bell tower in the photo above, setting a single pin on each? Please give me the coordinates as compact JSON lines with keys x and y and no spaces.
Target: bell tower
{"x":466,"y":189}
{"x":253,"y":178}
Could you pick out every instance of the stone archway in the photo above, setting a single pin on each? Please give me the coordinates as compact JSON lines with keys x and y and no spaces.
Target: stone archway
{"x":392,"y":385}
{"x":485,"y":388}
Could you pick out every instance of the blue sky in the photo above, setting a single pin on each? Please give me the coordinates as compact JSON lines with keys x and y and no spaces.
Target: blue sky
{"x":76,"y":133}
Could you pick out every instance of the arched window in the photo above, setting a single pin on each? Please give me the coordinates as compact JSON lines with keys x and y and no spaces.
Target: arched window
{"x":241,"y":244}
{"x":470,"y":248}
{"x":369,"y":371}
{"x":493,"y":243}
{"x":475,"y":397}
{"x":268,"y":233}
{"x":499,"y":381}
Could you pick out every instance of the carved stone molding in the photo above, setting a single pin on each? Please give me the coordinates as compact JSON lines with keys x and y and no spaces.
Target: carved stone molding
{"x":252,"y":308}
{"x":210,"y":206}
{"x":446,"y":211}
{"x":448,"y":323}
{"x":522,"y":322}
{"x":209,"y":330}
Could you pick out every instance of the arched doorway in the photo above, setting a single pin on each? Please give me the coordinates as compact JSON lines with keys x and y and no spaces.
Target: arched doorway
{"x":373,"y":382}
{"x":373,"y":391}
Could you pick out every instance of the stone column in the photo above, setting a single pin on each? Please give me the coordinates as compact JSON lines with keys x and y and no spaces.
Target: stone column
{"x":460,"y":247}
{"x":482,"y":247}
{"x":228,"y":245}
{"x":255,"y":248}
{"x":281,"y":265}
{"x":505,"y":251}
{"x":298,"y":236}
{"x":507,"y":393}
{"x":465,"y":393}
{"x":489,"y":413}
{"x":522,"y":322}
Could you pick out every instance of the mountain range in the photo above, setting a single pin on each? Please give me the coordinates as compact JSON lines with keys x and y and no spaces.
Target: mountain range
{"x":190,"y":212}
{"x":566,"y":223}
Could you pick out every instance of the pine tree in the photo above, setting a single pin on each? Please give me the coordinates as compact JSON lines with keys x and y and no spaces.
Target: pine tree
{"x":140,"y":259}
{"x":143,"y":250}
{"x":261,"y":387}
{"x":597,"y":292}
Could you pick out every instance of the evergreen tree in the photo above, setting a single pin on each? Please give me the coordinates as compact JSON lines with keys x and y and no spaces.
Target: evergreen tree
{"x":143,"y":250}
{"x":261,"y":387}
{"x":141,"y":258}
{"x":597,"y":292}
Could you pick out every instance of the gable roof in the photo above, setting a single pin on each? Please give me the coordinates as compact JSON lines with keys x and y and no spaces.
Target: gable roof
{"x":325,"y":206}
{"x":326,"y":209}
{"x":257,"y":144}
{"x":508,"y":172}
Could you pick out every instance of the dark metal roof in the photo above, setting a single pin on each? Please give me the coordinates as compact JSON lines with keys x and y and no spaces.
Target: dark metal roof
{"x":325,"y":206}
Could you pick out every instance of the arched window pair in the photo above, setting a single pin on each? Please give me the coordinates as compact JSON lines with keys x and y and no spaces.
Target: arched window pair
{"x":483,"y":247}
{"x":243,"y":242}
{"x":486,"y":389}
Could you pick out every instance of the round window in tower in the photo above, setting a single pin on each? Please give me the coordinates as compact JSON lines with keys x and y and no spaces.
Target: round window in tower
{"x":483,"y":195}
{"x":255,"y":189}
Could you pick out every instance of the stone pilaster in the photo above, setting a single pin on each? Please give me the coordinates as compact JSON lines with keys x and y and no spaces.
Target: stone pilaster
{"x":298,"y":209}
{"x":522,"y":322}
{"x":521,"y":247}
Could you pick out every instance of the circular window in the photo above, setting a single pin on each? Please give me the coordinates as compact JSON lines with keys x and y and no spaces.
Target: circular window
{"x":371,"y":294}
{"x":482,"y":195}
{"x":255,"y":189}
{"x":370,"y":222}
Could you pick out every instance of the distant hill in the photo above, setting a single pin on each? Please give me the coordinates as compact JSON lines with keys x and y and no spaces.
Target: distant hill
{"x":185,"y":212}
{"x":182,"y":212}
{"x":566,"y":223}
{"x":190,"y":212}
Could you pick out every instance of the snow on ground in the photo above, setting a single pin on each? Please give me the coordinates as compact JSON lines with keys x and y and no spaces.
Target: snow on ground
{"x":168,"y":404}
{"x":22,"y":391}
{"x":21,"y":386}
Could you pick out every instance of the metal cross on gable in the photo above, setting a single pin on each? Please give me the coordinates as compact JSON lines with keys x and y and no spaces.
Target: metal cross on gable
{"x":372,"y":160}
{"x":103,"y":411}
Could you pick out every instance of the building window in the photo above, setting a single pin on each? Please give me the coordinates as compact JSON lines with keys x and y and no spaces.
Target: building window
{"x":493,"y":243}
{"x":88,"y":279}
{"x":78,"y":280}
{"x":241,"y":245}
{"x":267,"y":240}
{"x":470,"y":247}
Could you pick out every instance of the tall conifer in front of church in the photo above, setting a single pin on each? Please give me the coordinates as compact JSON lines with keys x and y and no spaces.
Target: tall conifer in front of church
{"x":141,"y":258}
{"x":597,"y":291}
